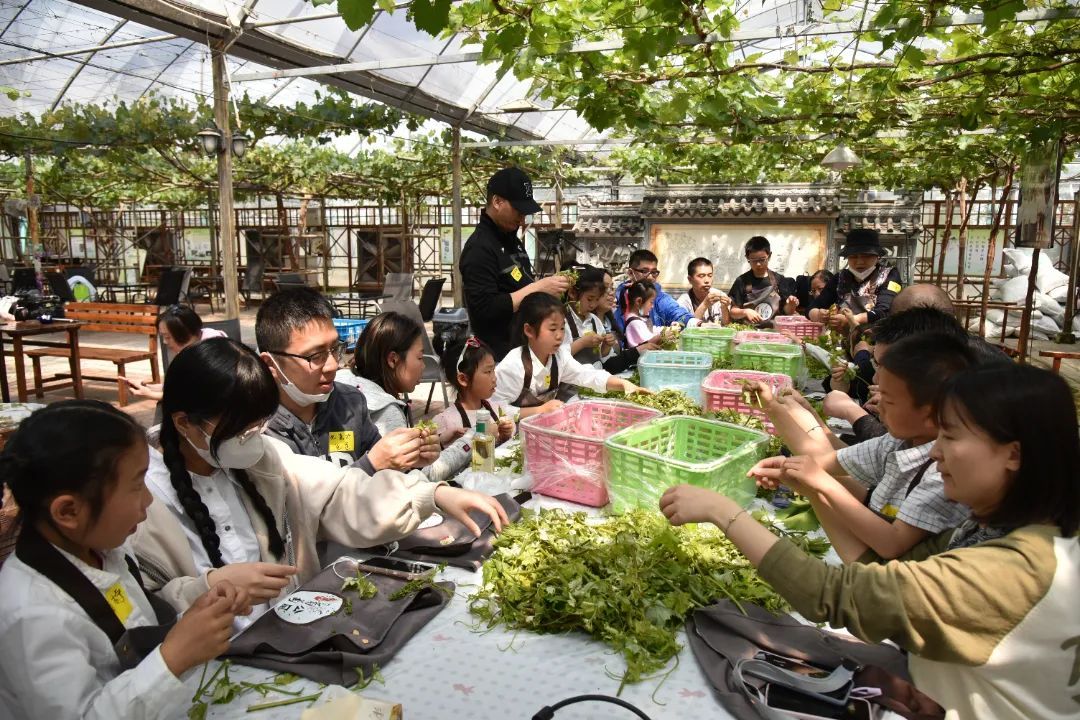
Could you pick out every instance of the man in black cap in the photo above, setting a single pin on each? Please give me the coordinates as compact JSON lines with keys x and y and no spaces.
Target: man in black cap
{"x":496,"y":273}
{"x":863,"y":291}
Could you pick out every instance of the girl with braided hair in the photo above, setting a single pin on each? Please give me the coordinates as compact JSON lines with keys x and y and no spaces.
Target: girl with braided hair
{"x":240,"y":506}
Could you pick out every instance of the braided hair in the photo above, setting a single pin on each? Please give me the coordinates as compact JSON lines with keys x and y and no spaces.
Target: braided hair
{"x":223,"y":381}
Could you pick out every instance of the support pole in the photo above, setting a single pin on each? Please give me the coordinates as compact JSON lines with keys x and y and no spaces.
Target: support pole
{"x":225,"y":186}
{"x":455,"y":204}
{"x":215,"y":245}
{"x":31,"y":211}
{"x":1067,"y":335}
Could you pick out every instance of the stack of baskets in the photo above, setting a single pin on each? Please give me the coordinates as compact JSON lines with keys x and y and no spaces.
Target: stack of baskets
{"x":676,"y":370}
{"x":713,"y":340}
{"x":723,"y":390}
{"x":564,"y":449}
{"x":798,"y":326}
{"x":645,"y":460}
{"x":770,"y":358}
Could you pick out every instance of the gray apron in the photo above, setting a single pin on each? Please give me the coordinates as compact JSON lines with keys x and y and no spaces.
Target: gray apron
{"x":588,"y":356}
{"x":555,"y":391}
{"x":329,"y":649}
{"x":863,"y":297}
{"x":765,"y":301}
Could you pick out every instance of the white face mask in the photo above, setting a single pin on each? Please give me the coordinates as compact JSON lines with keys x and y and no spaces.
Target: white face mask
{"x":295,"y":394}
{"x":233,"y":453}
{"x":862,"y":275}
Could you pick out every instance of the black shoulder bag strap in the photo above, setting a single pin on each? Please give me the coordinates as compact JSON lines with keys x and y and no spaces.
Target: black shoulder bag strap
{"x":526,"y":365}
{"x":918,"y":476}
{"x":131,"y":644}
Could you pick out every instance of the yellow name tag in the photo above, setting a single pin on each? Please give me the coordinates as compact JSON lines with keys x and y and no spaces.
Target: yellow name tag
{"x":342,"y":441}
{"x":516,"y":273}
{"x":890,"y":511}
{"x":894,"y":286}
{"x":118,"y":601}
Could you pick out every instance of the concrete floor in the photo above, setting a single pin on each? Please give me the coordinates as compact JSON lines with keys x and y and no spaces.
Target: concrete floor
{"x":142,"y":409}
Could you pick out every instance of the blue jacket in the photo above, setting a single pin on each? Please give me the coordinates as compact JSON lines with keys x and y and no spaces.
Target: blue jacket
{"x":665,"y":309}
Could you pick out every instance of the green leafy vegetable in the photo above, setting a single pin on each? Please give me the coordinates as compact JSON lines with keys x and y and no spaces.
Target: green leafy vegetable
{"x":629,"y":581}
{"x":425,"y":581}
{"x":515,"y":460}
{"x":669,"y":402}
{"x":798,"y":516}
{"x":427,"y":427}
{"x":362,"y":680}
{"x":361,"y":586}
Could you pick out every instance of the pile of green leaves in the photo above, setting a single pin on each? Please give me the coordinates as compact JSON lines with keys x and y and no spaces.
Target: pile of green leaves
{"x":798,"y":516}
{"x":669,"y":402}
{"x":515,"y":461}
{"x":629,"y":581}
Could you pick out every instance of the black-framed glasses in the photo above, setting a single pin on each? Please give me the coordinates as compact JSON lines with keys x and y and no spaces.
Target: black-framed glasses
{"x":319,"y":357}
{"x":647,"y":273}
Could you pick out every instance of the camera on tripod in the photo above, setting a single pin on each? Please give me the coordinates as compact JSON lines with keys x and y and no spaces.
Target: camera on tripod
{"x":33,"y":305}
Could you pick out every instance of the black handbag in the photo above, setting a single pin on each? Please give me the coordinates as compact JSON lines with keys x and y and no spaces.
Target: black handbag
{"x":725,"y":638}
{"x":324,"y":633}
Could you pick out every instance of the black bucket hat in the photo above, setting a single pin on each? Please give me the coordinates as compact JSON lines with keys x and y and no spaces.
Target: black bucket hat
{"x":862,"y":241}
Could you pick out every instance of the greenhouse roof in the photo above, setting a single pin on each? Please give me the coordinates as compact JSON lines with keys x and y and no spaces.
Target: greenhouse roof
{"x":101,"y":51}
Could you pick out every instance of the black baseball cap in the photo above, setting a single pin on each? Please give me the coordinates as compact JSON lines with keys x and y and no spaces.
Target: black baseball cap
{"x":514,"y":186}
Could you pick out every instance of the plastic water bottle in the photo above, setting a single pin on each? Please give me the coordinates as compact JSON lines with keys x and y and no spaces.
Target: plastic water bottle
{"x":483,"y":444}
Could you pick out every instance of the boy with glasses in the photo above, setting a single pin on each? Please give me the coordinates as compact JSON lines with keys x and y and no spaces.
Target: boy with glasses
{"x":665,"y":310}
{"x":316,"y":415}
{"x":759,"y":295}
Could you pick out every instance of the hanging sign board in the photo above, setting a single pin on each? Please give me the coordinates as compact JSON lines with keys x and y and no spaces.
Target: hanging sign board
{"x":1038,"y":190}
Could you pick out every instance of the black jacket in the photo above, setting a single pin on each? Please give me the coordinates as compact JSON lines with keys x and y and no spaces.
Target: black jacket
{"x":345,"y":412}
{"x":493,"y":264}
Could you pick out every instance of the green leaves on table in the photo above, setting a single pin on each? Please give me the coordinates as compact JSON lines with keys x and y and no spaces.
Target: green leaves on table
{"x":628,"y":581}
{"x":361,"y":586}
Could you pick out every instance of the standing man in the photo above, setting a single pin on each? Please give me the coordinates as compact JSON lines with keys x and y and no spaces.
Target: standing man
{"x":709,"y":304}
{"x":759,"y":294}
{"x":665,"y":311}
{"x":496,"y":274}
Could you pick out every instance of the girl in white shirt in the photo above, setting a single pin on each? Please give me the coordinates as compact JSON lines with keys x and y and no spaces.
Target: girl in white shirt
{"x":638,"y":299}
{"x":589,"y":342}
{"x":470,"y":369}
{"x":68,"y":595}
{"x":238,"y":506}
{"x":540,"y":373}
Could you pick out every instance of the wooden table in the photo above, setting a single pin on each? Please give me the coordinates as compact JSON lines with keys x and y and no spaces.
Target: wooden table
{"x":16,"y":334}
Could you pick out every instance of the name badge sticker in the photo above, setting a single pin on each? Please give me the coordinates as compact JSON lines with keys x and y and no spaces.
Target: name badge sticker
{"x":304,"y":607}
{"x":516,"y":274}
{"x":342,"y":441}
{"x":118,"y":600}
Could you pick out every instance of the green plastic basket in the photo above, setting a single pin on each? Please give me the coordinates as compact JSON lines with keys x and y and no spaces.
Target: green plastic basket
{"x":770,"y":357}
{"x":645,"y":460}
{"x":715,"y":341}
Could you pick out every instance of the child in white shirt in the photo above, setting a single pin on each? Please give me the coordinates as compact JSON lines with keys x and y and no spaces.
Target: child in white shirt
{"x":70,"y":594}
{"x":470,"y":370}
{"x":585,"y":335}
{"x":638,"y":300}
{"x":540,"y":373}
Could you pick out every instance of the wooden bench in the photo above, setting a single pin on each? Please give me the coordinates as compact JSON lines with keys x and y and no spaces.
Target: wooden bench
{"x":135,"y":319}
{"x":1058,"y":356}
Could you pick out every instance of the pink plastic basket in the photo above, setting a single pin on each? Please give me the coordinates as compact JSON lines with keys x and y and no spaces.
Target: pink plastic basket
{"x":762,"y":336}
{"x":564,"y":449}
{"x":798,"y":326}
{"x":722,"y":390}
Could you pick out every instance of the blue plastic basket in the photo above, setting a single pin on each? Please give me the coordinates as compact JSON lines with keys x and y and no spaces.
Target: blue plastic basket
{"x":349,"y":330}
{"x":675,"y":369}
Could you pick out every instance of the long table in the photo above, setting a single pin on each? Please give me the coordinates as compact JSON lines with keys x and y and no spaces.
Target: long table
{"x":453,"y":670}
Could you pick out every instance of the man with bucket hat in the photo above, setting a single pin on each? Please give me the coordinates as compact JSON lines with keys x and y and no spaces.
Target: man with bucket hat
{"x":496,"y":273}
{"x":863,"y":291}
